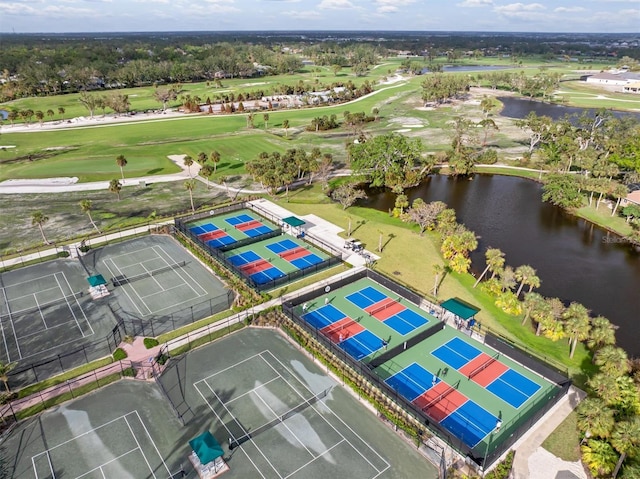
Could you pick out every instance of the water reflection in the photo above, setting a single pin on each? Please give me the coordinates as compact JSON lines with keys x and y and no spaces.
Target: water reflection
{"x":575,"y":260}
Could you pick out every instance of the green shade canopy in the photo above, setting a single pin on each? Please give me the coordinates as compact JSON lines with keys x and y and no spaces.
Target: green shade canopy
{"x":293,"y":221}
{"x":96,"y":280}
{"x":460,"y":308}
{"x":206,"y":447}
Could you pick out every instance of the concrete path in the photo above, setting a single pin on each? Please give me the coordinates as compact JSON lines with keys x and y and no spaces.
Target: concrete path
{"x":531,"y":460}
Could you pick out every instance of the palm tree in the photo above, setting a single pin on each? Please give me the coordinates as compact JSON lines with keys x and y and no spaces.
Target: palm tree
{"x":50,"y":113}
{"x":266,"y":120}
{"x":507,"y":278}
{"x":531,"y":302}
{"x":86,"y":206}
{"x":285,"y":125}
{"x":188,"y":161}
{"x":61,"y":112}
{"x":495,"y":261}
{"x":577,"y":324}
{"x":39,"y":218}
{"x":40,"y":116}
{"x":613,"y":361}
{"x":438,"y":270}
{"x":202,"y":158}
{"x":551,"y":320}
{"x":626,"y":440}
{"x":603,"y":333}
{"x":595,"y":417}
{"x":121,"y":161}
{"x":523,"y":273}
{"x":206,"y":171}
{"x":604,"y":386}
{"x":5,"y":369}
{"x":115,"y":187}
{"x":215,"y":159}
{"x":599,"y":456}
{"x":190,"y":186}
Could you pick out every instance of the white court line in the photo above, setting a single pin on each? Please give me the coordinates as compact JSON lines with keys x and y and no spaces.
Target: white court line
{"x":136,"y":439}
{"x":35,"y":298}
{"x":335,"y":415}
{"x":225,"y":426}
{"x":152,"y":277}
{"x":233,"y":366}
{"x":408,"y":377}
{"x":40,"y":331}
{"x":93,"y":430}
{"x":4,"y":338}
{"x":252,"y":390}
{"x":285,"y":425}
{"x":135,"y":305}
{"x":204,"y":292}
{"x":318,"y":457}
{"x":79,"y":306}
{"x":35,"y":470}
{"x":68,"y":306}
{"x":109,"y":462}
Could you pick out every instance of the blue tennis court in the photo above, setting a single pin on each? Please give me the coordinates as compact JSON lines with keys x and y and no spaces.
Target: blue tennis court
{"x":412,"y":381}
{"x":222,"y":241}
{"x":513,"y":388}
{"x":266,"y":275}
{"x":244,"y":258}
{"x":366,"y":297}
{"x":282,"y":246}
{"x":324,"y":316}
{"x":306,"y":261}
{"x":362,"y":344}
{"x":202,"y":229}
{"x":456,"y":353}
{"x":470,"y":422}
{"x":237,"y":220}
{"x":414,"y":319}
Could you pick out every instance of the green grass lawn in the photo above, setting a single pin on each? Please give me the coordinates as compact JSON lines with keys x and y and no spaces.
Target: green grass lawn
{"x":563,"y":442}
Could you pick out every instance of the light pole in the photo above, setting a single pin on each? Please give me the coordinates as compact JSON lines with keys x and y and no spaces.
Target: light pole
{"x":486,"y":452}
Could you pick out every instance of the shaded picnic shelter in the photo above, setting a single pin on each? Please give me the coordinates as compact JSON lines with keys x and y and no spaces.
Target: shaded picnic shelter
{"x":461,"y":310}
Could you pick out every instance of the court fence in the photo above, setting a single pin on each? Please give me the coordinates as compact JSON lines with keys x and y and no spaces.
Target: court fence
{"x":156,"y":325}
{"x":18,"y":409}
{"x":36,"y":371}
{"x":181,"y":225}
{"x":481,"y":455}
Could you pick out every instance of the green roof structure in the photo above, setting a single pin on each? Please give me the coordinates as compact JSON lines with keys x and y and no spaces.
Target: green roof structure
{"x":96,"y":280}
{"x":293,"y":221}
{"x":460,"y":308}
{"x":206,"y":447}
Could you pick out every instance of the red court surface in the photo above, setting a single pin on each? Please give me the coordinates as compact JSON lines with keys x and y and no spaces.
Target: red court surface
{"x":294,"y":253}
{"x":249,"y":225}
{"x":483,"y":377}
{"x":441,"y":400}
{"x":385,"y":309}
{"x":341,"y":330}
{"x":255,"y":267}
{"x":212,"y":235}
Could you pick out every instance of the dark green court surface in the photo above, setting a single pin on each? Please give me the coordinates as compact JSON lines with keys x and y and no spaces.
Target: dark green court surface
{"x":128,"y":430}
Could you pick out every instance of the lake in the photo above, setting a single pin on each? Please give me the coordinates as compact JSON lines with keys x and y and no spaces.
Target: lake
{"x":575,"y":260}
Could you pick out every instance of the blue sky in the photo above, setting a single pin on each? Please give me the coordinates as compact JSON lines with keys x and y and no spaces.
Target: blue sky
{"x":460,"y":15}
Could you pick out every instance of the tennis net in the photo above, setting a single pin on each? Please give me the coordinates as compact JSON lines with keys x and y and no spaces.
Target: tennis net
{"x":387,"y":302}
{"x":291,"y":252}
{"x":440,"y":397}
{"x":253,"y":264}
{"x":332,"y":328}
{"x":123,"y":279}
{"x":247,"y":224}
{"x":484,"y":366}
{"x":40,"y":306}
{"x":235,"y":442}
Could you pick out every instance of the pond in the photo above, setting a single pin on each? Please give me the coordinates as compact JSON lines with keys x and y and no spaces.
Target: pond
{"x":521,"y":107}
{"x":575,"y":260}
{"x":467,"y":68}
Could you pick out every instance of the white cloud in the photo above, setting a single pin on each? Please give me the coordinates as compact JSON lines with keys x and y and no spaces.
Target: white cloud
{"x":336,"y":5}
{"x":53,"y":11}
{"x":517,"y":8}
{"x":475,"y":3}
{"x":569,"y":9}
{"x":152,"y":1}
{"x":391,"y":6}
{"x":303,"y":15}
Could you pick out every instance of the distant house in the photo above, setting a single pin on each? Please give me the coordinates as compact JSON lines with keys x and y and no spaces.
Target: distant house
{"x":633,"y":197}
{"x":632,"y":87}
{"x":606,"y":78}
